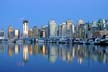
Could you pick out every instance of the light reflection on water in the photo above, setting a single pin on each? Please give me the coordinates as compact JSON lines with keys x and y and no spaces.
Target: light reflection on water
{"x":22,"y":55}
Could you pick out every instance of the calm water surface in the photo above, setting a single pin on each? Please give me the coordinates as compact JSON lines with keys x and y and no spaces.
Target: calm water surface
{"x":53,"y":58}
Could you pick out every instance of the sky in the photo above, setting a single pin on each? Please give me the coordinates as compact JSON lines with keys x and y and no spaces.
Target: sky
{"x":39,"y":12}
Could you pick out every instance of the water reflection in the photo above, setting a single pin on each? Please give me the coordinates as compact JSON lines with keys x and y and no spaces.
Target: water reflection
{"x":25,"y":53}
{"x":53,"y":52}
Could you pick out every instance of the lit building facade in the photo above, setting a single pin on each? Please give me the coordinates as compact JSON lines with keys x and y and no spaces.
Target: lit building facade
{"x":25,"y":28}
{"x":80,"y":29}
{"x":17,"y":33}
{"x":44,"y":32}
{"x":68,"y":28}
{"x":52,"y":28}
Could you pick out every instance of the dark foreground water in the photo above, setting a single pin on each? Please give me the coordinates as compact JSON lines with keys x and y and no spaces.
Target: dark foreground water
{"x":53,"y":58}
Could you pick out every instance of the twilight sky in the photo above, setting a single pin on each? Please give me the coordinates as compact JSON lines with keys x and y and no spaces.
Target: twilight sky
{"x":38,"y":12}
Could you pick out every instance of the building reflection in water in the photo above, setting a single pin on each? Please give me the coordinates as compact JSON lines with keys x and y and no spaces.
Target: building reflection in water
{"x":52,"y":53}
{"x":35,"y":49}
{"x":30,"y":49}
{"x":2,"y":48}
{"x":43,"y":50}
{"x":66,"y":53}
{"x":17,"y":49}
{"x":10,"y":49}
{"x":80,"y":54}
{"x":25,"y":53}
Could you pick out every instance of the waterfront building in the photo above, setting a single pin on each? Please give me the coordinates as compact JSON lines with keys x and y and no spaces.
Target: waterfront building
{"x":63,"y":30}
{"x":30,"y":33}
{"x":59,"y":31}
{"x":68,"y":28}
{"x":80,"y":21}
{"x":2,"y":34}
{"x":52,"y":28}
{"x":101,"y":24}
{"x":44,"y":32}
{"x":25,"y":28}
{"x":35,"y":32}
{"x":17,"y":33}
{"x":95,"y":29}
{"x":87,"y":31}
{"x":73,"y":31}
{"x":10,"y":32}
{"x":80,"y":29}
{"x":106,"y":22}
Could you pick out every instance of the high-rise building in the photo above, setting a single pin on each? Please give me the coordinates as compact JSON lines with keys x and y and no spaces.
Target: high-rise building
{"x":87,"y":30}
{"x":73,"y":31}
{"x":63,"y":30}
{"x":35,"y":32}
{"x":106,"y":22}
{"x":80,"y":21}
{"x":80,"y":29}
{"x":2,"y":34}
{"x":30,"y":33}
{"x":68,"y":28}
{"x":101,"y":24}
{"x":59,"y":32}
{"x":17,"y":33}
{"x":52,"y":29}
{"x":25,"y":28}
{"x":10,"y":32}
{"x":44,"y":32}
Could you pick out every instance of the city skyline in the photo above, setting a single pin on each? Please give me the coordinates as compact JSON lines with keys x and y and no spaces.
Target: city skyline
{"x":66,"y":29}
{"x":53,"y":35}
{"x":43,"y":25}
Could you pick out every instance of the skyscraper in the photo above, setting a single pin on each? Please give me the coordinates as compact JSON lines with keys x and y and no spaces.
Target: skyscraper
{"x":101,"y":24}
{"x":44,"y":32}
{"x":17,"y":33}
{"x":2,"y":34}
{"x":10,"y":32}
{"x":35,"y":32}
{"x":80,"y":29}
{"x":30,"y":33}
{"x":63,"y":29}
{"x":59,"y":32}
{"x":69,"y":28}
{"x":52,"y":29}
{"x":25,"y":28}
